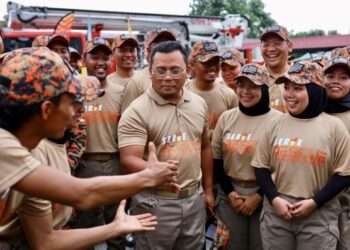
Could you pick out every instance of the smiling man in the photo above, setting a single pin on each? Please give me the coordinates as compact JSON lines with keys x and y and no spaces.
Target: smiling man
{"x":125,"y":55}
{"x":102,"y":115}
{"x":204,"y":62}
{"x":175,"y":119}
{"x":275,"y":47}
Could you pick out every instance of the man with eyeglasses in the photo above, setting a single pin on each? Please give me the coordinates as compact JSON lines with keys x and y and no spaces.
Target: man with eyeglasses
{"x":175,"y":119}
{"x":125,"y":55}
{"x":275,"y":47}
{"x":204,"y":62}
{"x":141,"y":81}
{"x":101,"y":156}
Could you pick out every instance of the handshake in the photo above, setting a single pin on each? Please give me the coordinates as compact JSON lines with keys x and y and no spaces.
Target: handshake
{"x":161,"y":173}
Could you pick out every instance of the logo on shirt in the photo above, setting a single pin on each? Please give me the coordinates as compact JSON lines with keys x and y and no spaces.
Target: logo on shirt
{"x":96,"y":113}
{"x":291,"y":150}
{"x":239,"y":143}
{"x":174,"y":138}
{"x":292,"y":142}
{"x":177,"y":146}
{"x":93,"y":108}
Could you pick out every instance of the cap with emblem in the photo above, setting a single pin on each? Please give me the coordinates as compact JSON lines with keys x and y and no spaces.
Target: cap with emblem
{"x":97,"y":42}
{"x":203,"y":51}
{"x":255,"y":73}
{"x":275,"y":29}
{"x":122,"y":39}
{"x":337,"y":61}
{"x":231,"y":57}
{"x":303,"y":72}
{"x":158,"y":33}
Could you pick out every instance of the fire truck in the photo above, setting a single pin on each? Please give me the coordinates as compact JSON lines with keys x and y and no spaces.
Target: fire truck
{"x":27,"y":22}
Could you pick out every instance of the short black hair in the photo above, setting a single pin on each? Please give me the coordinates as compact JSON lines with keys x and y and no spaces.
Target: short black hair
{"x":13,"y":116}
{"x":168,"y":47}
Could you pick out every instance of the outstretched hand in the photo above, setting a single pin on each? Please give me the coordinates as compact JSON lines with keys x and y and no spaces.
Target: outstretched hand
{"x":132,"y":223}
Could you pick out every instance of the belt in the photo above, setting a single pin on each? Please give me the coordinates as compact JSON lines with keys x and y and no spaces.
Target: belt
{"x":245,"y":184}
{"x":183,"y":193}
{"x":100,"y":156}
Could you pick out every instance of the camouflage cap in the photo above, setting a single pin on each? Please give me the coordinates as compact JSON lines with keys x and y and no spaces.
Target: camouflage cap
{"x":303,"y":72}
{"x":97,"y":42}
{"x":41,"y":41}
{"x":87,"y":89}
{"x":73,"y":51}
{"x":58,"y":39}
{"x":340,"y":60}
{"x":157,"y":33}
{"x":203,"y":51}
{"x":320,"y":59}
{"x":344,"y":52}
{"x":255,"y":73}
{"x":35,"y":75}
{"x":275,"y":29}
{"x":124,"y":39}
{"x":231,"y":57}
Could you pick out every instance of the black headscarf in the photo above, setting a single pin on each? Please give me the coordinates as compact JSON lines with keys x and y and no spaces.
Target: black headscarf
{"x":338,"y":106}
{"x":317,"y":101}
{"x":262,"y":107}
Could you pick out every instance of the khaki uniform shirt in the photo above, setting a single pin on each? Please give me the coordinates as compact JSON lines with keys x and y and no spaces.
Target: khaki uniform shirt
{"x":176,"y":130}
{"x":16,"y":162}
{"x":137,"y":85}
{"x":218,"y":99}
{"x":116,"y":79}
{"x":302,"y":154}
{"x":235,"y":139}
{"x":53,"y":155}
{"x":275,"y":92}
{"x":101,"y":117}
{"x":344,"y":117}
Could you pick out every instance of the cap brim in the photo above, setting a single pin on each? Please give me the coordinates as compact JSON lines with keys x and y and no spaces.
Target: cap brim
{"x":100,"y":46}
{"x":251,"y":78}
{"x":231,"y":62}
{"x":130,"y":41}
{"x":163,"y":34}
{"x":328,"y":67}
{"x":272,"y":32}
{"x":58,"y":39}
{"x":292,"y":78}
{"x":208,"y":57}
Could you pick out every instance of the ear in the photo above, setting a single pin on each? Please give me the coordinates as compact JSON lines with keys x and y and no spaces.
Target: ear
{"x":290,"y":46}
{"x":46,"y":109}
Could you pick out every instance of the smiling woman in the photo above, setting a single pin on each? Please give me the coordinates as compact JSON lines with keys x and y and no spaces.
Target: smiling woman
{"x":303,"y":148}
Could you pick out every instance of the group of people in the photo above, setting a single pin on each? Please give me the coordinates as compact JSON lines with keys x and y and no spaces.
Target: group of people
{"x":264,"y":146}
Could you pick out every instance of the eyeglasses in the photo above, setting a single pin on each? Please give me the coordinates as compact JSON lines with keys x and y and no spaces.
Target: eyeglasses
{"x":274,"y":45}
{"x":161,"y":73}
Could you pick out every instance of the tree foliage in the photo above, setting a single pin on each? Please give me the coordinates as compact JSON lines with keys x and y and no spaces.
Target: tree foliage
{"x":253,"y":9}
